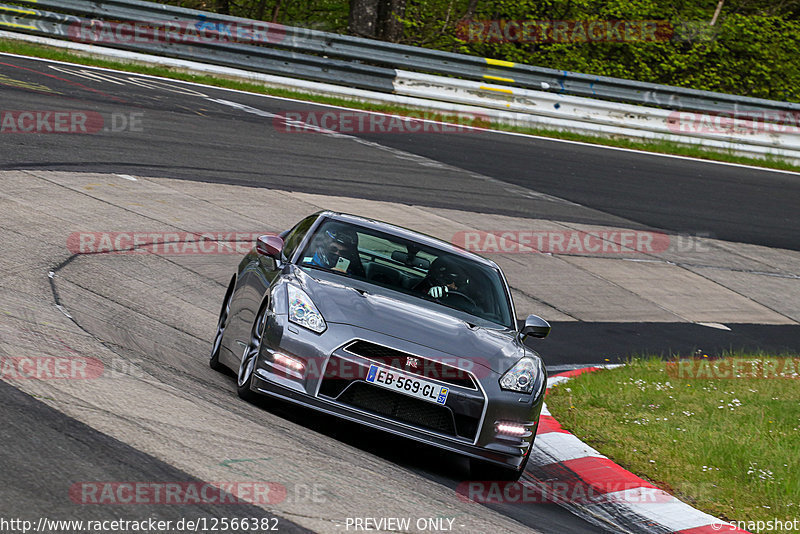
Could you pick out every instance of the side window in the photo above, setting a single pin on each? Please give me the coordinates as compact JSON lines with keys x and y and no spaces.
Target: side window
{"x":296,"y":235}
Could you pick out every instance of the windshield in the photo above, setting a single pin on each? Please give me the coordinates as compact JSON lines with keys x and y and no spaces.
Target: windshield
{"x":411,"y":268}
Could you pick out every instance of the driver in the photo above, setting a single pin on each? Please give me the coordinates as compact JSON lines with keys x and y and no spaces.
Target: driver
{"x":444,"y":275}
{"x":338,"y":250}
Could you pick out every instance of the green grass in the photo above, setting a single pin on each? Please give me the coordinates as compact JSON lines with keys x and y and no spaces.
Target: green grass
{"x":664,"y":147}
{"x":730,"y":447}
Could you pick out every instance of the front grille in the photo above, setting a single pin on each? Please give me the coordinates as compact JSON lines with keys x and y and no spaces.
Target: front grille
{"x":399,"y":407}
{"x":344,"y":382}
{"x":400,"y":360}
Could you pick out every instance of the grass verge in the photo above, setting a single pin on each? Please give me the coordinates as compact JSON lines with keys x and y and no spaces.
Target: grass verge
{"x":721,"y":434}
{"x":663,"y":147}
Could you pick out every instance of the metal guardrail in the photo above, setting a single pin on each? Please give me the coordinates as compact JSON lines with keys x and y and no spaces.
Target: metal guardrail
{"x":537,"y":109}
{"x":412,"y":76}
{"x":366,"y":63}
{"x":256,"y":58}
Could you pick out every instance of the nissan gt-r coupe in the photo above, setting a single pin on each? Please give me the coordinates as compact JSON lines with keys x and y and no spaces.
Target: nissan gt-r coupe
{"x":389,"y":328}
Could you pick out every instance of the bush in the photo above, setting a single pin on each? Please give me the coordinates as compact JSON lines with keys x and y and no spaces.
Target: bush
{"x":752,"y":50}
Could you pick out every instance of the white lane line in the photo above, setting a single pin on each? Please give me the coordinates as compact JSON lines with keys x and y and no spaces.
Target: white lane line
{"x":718,"y":326}
{"x":128,"y":177}
{"x":63,"y":310}
{"x":401,"y":154}
{"x":517,"y":134}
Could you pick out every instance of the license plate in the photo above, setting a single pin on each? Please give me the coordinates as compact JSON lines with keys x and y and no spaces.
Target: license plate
{"x":407,"y":384}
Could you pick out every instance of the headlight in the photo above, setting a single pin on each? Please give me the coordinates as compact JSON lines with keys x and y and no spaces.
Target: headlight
{"x":303,"y":312}
{"x":521,"y":377}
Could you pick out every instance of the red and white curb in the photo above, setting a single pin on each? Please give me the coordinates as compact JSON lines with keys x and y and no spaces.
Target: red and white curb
{"x":609,"y":493}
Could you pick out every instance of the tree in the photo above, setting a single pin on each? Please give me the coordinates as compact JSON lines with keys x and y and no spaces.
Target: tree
{"x":390,"y":25}
{"x":363,"y":17}
{"x":224,"y":7}
{"x":380,"y":19}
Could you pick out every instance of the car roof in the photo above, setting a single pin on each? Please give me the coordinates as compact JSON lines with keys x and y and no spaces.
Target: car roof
{"x":411,"y":235}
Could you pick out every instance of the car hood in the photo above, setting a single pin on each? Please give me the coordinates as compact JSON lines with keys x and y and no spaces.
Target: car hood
{"x":397,"y":316}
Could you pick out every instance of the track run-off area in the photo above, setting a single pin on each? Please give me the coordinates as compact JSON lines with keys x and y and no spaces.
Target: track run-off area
{"x":679,"y":254}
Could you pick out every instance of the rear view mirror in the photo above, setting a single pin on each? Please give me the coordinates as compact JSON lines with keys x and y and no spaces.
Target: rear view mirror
{"x":536,"y":327}
{"x":402,"y":257}
{"x":269,"y":245}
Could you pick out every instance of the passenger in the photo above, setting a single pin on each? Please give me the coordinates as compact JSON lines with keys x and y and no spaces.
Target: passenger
{"x":338,"y":250}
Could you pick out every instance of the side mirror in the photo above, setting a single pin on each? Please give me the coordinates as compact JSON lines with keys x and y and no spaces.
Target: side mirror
{"x":269,"y":245}
{"x":535,"y":326}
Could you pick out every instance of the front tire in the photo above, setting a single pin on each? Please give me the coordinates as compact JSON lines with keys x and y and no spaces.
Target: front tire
{"x":244,"y":377}
{"x":222,"y":323}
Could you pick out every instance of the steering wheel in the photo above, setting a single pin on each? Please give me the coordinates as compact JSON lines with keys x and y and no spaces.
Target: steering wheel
{"x":460,"y":295}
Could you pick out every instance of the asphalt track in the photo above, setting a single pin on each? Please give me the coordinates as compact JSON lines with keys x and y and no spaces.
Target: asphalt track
{"x":197,"y":139}
{"x":29,"y":433}
{"x":225,"y":137}
{"x":189,"y":137}
{"x":145,"y":319}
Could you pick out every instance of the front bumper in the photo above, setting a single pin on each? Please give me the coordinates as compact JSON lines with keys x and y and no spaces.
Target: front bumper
{"x":466,"y":424}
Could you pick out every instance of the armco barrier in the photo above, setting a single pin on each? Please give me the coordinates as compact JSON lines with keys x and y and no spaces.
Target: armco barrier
{"x":392,"y":55}
{"x":250,"y":57}
{"x":524,"y":107}
{"x":513,"y":93}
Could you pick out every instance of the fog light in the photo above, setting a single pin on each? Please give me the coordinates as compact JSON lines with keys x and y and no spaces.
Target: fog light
{"x":291,"y":366}
{"x":511,"y":429}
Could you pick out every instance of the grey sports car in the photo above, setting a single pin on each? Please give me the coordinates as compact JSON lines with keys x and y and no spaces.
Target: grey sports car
{"x":392,"y":329}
